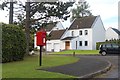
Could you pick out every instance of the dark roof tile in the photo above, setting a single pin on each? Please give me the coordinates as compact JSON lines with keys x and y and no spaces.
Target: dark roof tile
{"x":50,"y":26}
{"x":56,"y":34}
{"x":85,"y":22}
{"x":116,"y":30}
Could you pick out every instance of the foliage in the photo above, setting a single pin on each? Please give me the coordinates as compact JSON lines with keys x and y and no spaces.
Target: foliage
{"x":81,"y":10}
{"x":30,"y":64}
{"x":39,"y":13}
{"x":107,"y":41}
{"x":13,"y":43}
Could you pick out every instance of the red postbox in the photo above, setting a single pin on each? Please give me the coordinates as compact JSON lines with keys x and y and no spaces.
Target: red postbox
{"x":41,"y":38}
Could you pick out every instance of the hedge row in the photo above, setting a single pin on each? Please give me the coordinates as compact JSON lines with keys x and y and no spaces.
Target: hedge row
{"x":111,"y":41}
{"x":13,"y":43}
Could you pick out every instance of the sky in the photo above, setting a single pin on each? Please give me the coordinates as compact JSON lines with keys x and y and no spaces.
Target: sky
{"x":107,"y":9}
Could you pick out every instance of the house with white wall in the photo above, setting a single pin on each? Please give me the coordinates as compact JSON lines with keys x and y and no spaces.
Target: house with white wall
{"x":112,"y":33}
{"x":54,"y":42}
{"x":49,"y":28}
{"x":54,"y":26}
{"x":83,"y":34}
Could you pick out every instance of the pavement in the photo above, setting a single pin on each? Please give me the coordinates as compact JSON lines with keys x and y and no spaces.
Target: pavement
{"x":85,"y":67}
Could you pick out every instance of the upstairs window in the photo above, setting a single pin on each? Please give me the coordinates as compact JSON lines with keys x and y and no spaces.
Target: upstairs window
{"x":72,"y":33}
{"x":86,"y":32}
{"x":80,"y":32}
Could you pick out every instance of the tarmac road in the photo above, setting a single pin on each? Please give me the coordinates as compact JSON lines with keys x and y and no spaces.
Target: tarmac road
{"x":113,"y":72}
{"x":86,"y":65}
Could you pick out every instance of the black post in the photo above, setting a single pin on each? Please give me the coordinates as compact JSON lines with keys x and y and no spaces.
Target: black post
{"x":73,"y":53}
{"x":40,"y":58}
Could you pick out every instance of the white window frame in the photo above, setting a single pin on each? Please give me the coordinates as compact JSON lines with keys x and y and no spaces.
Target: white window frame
{"x":85,"y":43}
{"x":86,"y":32}
{"x":72,"y":33}
{"x":81,"y":43}
{"x":80,"y":32}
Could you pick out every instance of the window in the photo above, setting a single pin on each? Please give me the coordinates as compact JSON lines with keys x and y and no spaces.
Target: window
{"x":104,"y":46}
{"x":80,"y":43}
{"x":115,"y":46}
{"x":72,"y":33}
{"x":80,"y":32}
{"x":57,"y":28}
{"x":76,"y":45}
{"x":86,"y":43}
{"x":108,"y":46}
{"x":86,"y":32}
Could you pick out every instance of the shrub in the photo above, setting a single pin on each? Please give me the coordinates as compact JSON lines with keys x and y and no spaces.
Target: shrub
{"x":13,"y":43}
{"x":110,"y":41}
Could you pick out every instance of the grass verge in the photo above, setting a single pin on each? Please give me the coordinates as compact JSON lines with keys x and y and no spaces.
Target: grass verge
{"x":27,"y":67}
{"x":78,"y":52}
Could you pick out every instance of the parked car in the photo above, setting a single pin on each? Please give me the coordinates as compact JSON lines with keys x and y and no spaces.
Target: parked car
{"x":109,"y":48}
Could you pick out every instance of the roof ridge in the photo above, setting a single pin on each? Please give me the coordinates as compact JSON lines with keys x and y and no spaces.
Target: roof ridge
{"x":84,"y":22}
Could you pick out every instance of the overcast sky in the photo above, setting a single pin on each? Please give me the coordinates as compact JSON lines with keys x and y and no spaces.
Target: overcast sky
{"x":107,"y":9}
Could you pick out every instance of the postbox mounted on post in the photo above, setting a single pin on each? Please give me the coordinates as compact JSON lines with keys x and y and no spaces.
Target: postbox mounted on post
{"x":41,"y":38}
{"x":41,"y":41}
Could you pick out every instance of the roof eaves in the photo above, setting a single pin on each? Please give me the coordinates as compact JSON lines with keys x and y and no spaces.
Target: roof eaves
{"x":71,"y":24}
{"x":95,"y":21}
{"x":116,"y":30}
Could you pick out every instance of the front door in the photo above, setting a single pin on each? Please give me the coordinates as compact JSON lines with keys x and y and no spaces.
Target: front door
{"x":67,"y":45}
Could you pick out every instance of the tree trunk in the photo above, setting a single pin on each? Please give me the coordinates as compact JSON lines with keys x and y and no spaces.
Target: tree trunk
{"x":27,"y":27}
{"x":11,"y":12}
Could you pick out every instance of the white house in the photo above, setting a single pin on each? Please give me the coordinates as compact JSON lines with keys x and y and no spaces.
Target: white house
{"x":49,"y":28}
{"x":112,"y":33}
{"x":54,"y":26}
{"x":54,"y":42}
{"x":82,"y":34}
{"x":85,"y":32}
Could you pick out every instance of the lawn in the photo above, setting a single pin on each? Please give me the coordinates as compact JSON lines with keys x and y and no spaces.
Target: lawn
{"x":27,"y":67}
{"x":78,"y":52}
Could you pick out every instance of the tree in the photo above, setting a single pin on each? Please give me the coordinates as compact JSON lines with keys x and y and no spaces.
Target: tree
{"x":9,"y":6}
{"x":27,"y":26}
{"x":4,"y":4}
{"x":81,"y":10}
{"x":47,"y":11}
{"x":11,"y":12}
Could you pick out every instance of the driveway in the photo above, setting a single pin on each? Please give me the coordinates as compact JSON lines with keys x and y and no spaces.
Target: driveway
{"x":86,"y":65}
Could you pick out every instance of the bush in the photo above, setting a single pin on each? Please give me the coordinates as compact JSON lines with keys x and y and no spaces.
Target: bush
{"x":13,"y":43}
{"x":110,"y":41}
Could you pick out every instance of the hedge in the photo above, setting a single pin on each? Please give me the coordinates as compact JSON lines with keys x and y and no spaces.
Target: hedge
{"x":13,"y":43}
{"x":111,"y":41}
